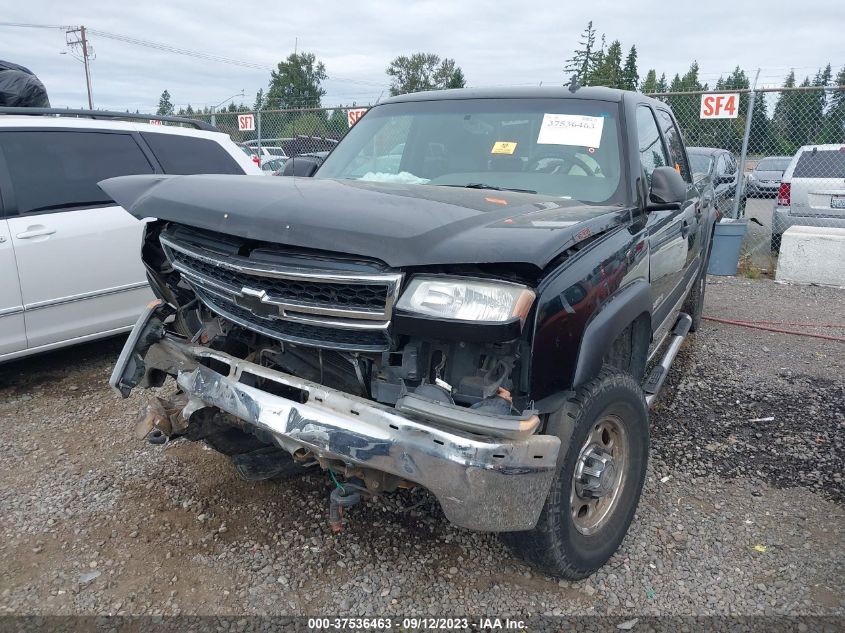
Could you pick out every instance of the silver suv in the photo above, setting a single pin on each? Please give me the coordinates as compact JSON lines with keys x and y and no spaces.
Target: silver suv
{"x":812,"y":192}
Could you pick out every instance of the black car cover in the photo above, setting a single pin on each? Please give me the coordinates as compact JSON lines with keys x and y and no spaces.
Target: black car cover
{"x":19,"y":87}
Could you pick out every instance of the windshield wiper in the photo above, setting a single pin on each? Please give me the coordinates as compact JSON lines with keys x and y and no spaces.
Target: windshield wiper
{"x":481,"y":185}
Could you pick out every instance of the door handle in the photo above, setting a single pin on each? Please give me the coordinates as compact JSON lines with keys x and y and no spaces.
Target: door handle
{"x":35,"y":231}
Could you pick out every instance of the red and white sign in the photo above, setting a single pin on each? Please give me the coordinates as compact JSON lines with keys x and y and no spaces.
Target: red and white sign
{"x":246,"y":122}
{"x":720,"y":106}
{"x":353,"y":114}
{"x":156,"y":122}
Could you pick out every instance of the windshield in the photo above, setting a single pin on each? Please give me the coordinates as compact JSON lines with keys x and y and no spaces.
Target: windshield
{"x":773,"y":164}
{"x":567,"y":148}
{"x":701,"y":164}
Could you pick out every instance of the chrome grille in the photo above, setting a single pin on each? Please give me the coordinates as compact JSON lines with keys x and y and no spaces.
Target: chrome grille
{"x":322,"y":307}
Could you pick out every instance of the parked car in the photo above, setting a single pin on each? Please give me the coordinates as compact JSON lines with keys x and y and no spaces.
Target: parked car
{"x":291,"y":146}
{"x":272,"y":165}
{"x":812,"y":192}
{"x":720,"y":166}
{"x":478,"y":322}
{"x":764,"y":179}
{"x":68,"y":253}
{"x":252,"y":153}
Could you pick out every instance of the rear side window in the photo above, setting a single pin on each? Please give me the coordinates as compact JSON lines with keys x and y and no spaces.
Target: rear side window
{"x":54,"y":170}
{"x":675,"y":143}
{"x":186,"y":155}
{"x":821,"y":163}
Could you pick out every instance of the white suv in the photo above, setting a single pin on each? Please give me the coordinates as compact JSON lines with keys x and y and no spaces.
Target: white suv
{"x":812,"y":191}
{"x":70,"y":269}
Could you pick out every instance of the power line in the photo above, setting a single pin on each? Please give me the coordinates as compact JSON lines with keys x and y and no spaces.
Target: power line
{"x":167,"y":48}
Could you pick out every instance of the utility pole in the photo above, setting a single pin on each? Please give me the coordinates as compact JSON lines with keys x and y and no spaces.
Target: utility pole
{"x":87,"y":53}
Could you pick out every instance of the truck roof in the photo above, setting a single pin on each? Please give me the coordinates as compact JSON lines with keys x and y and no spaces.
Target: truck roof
{"x":596,"y":93}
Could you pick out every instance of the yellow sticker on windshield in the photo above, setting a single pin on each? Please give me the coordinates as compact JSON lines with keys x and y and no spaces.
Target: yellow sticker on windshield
{"x":503,"y":147}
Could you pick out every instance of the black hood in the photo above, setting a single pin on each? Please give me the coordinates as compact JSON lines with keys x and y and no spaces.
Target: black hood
{"x":401,"y":225}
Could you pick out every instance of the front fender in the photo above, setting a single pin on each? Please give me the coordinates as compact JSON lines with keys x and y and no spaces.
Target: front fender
{"x":569,"y":337}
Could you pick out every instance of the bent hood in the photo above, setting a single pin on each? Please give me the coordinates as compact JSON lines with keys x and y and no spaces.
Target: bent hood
{"x":401,"y":225}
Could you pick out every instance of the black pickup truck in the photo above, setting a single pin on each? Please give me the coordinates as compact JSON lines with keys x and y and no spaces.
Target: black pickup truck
{"x":478,"y":292}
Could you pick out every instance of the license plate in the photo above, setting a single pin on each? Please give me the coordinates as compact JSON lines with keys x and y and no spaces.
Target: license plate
{"x":837,"y":202}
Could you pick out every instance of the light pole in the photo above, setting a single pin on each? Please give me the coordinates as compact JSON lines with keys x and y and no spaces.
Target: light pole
{"x":213,"y":118}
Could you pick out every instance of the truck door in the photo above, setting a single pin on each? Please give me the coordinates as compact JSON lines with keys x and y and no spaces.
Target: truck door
{"x":691,"y":214}
{"x":667,"y":244}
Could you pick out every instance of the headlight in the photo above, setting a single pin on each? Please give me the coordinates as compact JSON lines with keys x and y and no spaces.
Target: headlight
{"x":466,"y":299}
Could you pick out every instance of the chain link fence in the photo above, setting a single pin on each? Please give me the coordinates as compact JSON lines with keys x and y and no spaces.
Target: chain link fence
{"x":275,"y":135}
{"x":776,"y":158}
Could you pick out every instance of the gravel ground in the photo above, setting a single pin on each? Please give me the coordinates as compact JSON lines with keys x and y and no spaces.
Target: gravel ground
{"x":738,"y":517}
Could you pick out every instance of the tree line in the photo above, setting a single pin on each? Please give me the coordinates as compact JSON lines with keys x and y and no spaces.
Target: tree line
{"x":778,"y":126}
{"x":297,"y":83}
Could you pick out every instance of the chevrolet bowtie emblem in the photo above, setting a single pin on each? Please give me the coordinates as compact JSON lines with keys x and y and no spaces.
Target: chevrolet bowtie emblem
{"x":256,"y":302}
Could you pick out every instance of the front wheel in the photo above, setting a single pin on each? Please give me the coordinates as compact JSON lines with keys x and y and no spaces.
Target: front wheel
{"x":595,"y":493}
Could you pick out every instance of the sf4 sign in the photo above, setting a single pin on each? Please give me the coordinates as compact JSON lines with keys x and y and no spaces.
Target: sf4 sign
{"x":246,"y":122}
{"x":720,"y":106}
{"x":353,"y":114}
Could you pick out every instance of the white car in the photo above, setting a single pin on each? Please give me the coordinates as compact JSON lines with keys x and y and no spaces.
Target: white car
{"x":812,"y":191}
{"x":69,"y":257}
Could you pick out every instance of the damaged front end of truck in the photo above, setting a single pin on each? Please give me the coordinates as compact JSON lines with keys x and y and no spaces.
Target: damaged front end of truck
{"x":286,"y":359}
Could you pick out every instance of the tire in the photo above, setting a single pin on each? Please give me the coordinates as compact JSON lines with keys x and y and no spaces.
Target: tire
{"x":568,"y":546}
{"x":776,"y":242}
{"x":694,"y":304}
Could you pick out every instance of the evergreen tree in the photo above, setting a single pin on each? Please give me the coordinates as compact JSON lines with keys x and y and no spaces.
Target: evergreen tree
{"x":165,"y":106}
{"x":581,"y":62}
{"x":630,"y":74}
{"x":649,"y":84}
{"x":609,"y":73}
{"x":761,"y":139}
{"x":662,"y":86}
{"x":259,"y":100}
{"x":337,"y":123}
{"x":686,"y":107}
{"x":786,"y":117}
{"x":833,"y":130}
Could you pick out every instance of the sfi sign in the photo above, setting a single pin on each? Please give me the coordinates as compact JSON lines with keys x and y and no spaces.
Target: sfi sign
{"x":246,"y":122}
{"x":720,"y":106}
{"x":353,"y":114}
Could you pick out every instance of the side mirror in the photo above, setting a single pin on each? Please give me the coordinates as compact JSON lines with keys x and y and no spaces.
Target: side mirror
{"x":301,"y":166}
{"x":667,"y":187}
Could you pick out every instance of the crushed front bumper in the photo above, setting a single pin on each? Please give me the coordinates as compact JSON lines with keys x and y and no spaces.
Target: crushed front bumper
{"x":482,"y":483}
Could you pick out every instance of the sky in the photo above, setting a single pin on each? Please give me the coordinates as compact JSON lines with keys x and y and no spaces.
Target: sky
{"x":495,"y":42}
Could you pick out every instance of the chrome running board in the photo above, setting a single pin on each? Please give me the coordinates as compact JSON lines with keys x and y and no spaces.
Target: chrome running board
{"x":656,"y":378}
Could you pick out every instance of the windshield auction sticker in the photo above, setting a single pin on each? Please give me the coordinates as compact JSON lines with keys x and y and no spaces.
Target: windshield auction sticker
{"x":571,"y":129}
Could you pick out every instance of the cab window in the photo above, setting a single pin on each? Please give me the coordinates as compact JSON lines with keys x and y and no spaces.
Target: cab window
{"x":652,"y":152}
{"x":675,"y":143}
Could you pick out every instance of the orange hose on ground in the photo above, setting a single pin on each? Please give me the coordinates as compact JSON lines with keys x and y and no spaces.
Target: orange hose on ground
{"x":756,"y":326}
{"x":838,"y":326}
